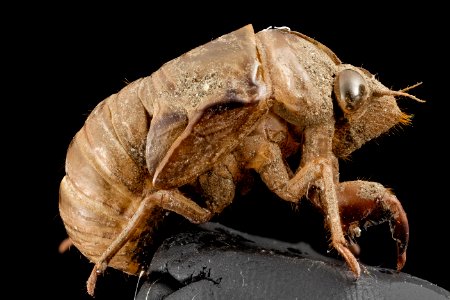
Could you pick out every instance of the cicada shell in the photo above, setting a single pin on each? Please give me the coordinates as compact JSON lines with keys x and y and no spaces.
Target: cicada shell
{"x":243,"y":101}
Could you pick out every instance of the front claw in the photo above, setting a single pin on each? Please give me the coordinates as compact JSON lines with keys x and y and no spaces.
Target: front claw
{"x":398,"y":223}
{"x":369,"y":203}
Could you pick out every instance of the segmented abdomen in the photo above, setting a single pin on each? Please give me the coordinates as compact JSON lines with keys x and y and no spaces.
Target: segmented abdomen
{"x":113,"y":159}
{"x":105,"y":177}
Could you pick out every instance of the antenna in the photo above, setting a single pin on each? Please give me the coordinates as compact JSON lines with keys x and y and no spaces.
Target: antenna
{"x":401,"y":93}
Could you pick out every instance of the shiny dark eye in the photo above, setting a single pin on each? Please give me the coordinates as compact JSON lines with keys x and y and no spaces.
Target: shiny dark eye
{"x":350,"y":89}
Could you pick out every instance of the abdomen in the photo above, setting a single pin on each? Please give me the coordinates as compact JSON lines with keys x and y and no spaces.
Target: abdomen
{"x":105,"y":178}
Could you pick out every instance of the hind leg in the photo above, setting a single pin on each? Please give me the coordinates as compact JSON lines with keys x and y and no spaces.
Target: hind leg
{"x":171,"y":200}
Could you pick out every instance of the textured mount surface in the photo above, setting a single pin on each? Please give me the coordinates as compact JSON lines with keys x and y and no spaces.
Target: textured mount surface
{"x":216,"y":262}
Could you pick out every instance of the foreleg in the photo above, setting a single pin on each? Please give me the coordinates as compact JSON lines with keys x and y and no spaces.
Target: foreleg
{"x":365,"y":203}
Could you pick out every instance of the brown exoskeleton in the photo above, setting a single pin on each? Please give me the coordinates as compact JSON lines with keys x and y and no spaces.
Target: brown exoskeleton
{"x":230,"y":105}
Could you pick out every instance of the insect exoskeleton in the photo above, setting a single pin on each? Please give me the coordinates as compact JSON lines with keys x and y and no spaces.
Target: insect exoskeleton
{"x":243,"y":101}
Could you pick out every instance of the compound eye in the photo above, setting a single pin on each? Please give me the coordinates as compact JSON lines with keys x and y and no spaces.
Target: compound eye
{"x":350,"y":89}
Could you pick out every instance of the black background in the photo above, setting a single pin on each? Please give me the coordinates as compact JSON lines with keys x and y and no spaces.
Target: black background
{"x":67,"y":59}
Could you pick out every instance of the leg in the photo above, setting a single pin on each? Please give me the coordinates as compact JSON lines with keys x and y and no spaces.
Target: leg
{"x":174,"y":201}
{"x":369,"y":203}
{"x":218,"y":185}
{"x":318,"y":168}
{"x":320,"y":174}
{"x":65,"y":245}
{"x":171,"y":200}
{"x":329,"y":203}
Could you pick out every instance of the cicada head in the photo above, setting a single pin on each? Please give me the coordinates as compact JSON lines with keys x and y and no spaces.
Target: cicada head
{"x":366,"y":109}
